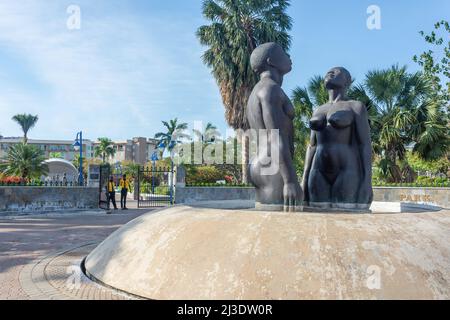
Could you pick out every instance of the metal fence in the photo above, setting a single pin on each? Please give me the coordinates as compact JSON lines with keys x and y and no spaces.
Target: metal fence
{"x":155,"y":187}
{"x":43,"y":183}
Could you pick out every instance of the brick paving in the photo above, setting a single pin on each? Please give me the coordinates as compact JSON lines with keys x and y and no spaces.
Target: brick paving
{"x":26,"y":243}
{"x":59,"y":277}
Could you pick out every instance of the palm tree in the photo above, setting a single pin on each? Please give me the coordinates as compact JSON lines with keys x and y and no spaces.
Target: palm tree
{"x":209,"y":135}
{"x":431,"y":132}
{"x":173,"y":135}
{"x":24,"y":160}
{"x":26,"y":122}
{"x":56,"y":155}
{"x":237,"y":27}
{"x":105,"y":149}
{"x":402,"y":113}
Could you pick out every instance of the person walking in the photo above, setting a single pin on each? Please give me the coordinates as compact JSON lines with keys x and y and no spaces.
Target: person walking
{"x":111,"y":192}
{"x":124,"y":189}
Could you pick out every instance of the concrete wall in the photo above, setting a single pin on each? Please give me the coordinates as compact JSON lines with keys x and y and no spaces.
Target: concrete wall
{"x":432,"y":196}
{"x":189,"y":195}
{"x":25,"y":200}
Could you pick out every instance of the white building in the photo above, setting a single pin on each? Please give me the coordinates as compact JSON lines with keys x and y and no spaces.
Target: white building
{"x":63,"y":147}
{"x":138,"y":150}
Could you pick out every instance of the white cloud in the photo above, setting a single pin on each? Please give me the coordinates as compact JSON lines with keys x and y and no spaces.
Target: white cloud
{"x":114,"y":77}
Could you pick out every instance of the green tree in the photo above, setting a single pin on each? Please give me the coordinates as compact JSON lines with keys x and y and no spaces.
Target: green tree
{"x":236,"y":28}
{"x":86,"y":163}
{"x":173,"y":135}
{"x":209,"y":135}
{"x":56,"y":155}
{"x":105,"y":149}
{"x":130,"y":169}
{"x":24,"y":160}
{"x":26,"y":122}
{"x":402,"y":113}
{"x":434,"y":131}
{"x":436,"y":61}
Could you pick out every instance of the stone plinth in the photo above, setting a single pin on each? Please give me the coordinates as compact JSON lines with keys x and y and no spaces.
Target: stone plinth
{"x":189,"y":195}
{"x":437,"y":197}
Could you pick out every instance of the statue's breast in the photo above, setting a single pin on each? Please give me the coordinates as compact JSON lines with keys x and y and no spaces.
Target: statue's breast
{"x":341,"y":119}
{"x":318,"y":123}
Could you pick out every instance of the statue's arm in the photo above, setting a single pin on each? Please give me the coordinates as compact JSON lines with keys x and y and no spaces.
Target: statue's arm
{"x":272,"y":106}
{"x":310,"y":153}
{"x":365,"y":151}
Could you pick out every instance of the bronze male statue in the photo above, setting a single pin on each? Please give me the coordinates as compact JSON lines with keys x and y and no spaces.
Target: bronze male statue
{"x":338,"y":168}
{"x":270,"y":110}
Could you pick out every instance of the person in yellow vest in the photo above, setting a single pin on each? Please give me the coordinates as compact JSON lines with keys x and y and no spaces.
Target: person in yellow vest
{"x":124,"y":189}
{"x":111,"y":192}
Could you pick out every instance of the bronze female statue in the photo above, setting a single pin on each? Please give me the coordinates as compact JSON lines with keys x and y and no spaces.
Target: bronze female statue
{"x":270,"y":110}
{"x":338,"y":168}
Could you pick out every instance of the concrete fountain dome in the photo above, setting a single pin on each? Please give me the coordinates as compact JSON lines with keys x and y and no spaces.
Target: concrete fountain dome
{"x":59,"y":167}
{"x":189,"y":252}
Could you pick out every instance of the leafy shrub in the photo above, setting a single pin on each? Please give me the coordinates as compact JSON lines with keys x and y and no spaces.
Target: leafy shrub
{"x":438,"y":166}
{"x":420,"y":182}
{"x":162,"y":191}
{"x":205,"y":174}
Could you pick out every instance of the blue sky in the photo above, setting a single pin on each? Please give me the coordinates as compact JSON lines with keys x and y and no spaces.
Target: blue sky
{"x":135,"y":63}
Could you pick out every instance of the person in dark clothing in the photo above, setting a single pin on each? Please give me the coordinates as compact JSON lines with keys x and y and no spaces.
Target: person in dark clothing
{"x":111,"y":192}
{"x":124,"y":189}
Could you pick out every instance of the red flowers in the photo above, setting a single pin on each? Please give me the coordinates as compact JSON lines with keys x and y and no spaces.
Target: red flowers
{"x":12,"y":180}
{"x":229,"y":179}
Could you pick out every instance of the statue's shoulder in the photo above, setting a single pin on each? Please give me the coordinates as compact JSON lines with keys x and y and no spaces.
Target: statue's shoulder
{"x":322,"y":109}
{"x":358,"y":106}
{"x":268,"y":89}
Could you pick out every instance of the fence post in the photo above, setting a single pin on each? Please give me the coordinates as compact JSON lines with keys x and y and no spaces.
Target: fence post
{"x":171,"y":182}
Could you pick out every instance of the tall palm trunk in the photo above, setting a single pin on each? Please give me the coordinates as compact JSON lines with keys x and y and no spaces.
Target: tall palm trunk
{"x":394,"y":169}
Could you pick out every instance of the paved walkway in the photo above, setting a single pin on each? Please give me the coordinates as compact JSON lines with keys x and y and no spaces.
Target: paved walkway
{"x":39,"y":255}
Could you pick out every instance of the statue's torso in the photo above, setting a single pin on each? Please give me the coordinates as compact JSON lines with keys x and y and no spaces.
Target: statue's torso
{"x":286,"y":109}
{"x":334,"y":128}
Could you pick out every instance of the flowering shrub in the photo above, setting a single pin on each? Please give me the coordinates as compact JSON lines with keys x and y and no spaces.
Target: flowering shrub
{"x":229,"y":179}
{"x":18,"y":181}
{"x":12,"y":181}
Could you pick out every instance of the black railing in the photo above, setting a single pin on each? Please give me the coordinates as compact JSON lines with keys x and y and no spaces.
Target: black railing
{"x":61,"y":184}
{"x":155,"y":187}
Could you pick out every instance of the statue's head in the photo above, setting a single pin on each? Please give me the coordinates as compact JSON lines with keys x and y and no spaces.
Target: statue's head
{"x":338,"y":78}
{"x":270,"y":55}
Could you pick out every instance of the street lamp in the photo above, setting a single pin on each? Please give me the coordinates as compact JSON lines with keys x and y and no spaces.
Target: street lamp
{"x":78,"y":146}
{"x":172,"y":152}
{"x":154,"y":158}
